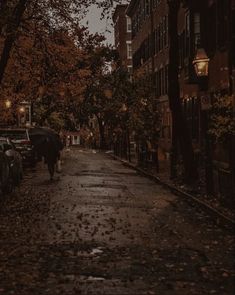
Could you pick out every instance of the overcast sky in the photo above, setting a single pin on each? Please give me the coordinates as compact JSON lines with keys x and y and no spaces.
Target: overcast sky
{"x":96,"y":25}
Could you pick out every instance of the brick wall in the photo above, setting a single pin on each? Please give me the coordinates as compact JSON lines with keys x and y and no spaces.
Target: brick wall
{"x":121,"y":34}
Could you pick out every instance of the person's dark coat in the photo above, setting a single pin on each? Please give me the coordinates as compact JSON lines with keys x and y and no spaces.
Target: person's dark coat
{"x":51,"y":151}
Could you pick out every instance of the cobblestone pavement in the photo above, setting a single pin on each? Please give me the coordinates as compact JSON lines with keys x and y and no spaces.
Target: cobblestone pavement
{"x":100,"y":228}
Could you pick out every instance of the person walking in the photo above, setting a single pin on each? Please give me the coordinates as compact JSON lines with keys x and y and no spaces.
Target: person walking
{"x":47,"y":144}
{"x":51,"y":155}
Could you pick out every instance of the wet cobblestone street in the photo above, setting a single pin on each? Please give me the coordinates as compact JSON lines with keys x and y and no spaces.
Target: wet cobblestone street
{"x":100,"y":228}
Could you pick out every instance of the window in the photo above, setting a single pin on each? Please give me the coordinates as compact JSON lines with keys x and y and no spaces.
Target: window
{"x":187,"y":34}
{"x":166,"y":80}
{"x":159,"y":37}
{"x":211,"y":29}
{"x":156,"y":41}
{"x":129,"y":50}
{"x":128,"y":24}
{"x":197,"y":30}
{"x":147,"y":3}
{"x":165,"y":31}
{"x":181,"y":49}
{"x":222,"y":16}
{"x":129,"y":69}
{"x":161,"y":81}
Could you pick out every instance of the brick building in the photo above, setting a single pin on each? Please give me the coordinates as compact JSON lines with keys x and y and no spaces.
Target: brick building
{"x":151,"y":53}
{"x":201,"y":24}
{"x":122,"y":35}
{"x":208,"y":25}
{"x":205,"y":24}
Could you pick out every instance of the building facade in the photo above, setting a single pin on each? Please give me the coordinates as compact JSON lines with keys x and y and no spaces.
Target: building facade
{"x":201,"y":24}
{"x":208,"y":25}
{"x":122,"y":35}
{"x":150,"y":46}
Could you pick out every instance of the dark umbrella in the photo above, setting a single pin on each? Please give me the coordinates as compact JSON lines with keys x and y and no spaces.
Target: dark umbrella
{"x":42,"y":137}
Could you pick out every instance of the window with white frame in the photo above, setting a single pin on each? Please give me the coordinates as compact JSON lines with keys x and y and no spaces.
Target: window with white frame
{"x":130,"y":70}
{"x":129,"y":49}
{"x":128,"y":24}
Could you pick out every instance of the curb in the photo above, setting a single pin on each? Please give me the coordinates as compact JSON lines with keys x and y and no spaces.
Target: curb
{"x":220,"y":218}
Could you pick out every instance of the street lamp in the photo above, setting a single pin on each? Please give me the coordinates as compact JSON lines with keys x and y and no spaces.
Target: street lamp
{"x":201,"y":63}
{"x":22,"y":110}
{"x":125,"y":111}
{"x":8,"y":104}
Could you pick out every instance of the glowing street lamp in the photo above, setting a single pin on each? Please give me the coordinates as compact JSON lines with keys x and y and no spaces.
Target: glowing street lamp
{"x":8,"y":104}
{"x":201,"y":63}
{"x":22,"y":110}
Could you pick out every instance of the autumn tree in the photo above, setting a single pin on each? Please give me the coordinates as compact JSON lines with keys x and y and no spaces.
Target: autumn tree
{"x":96,"y":101}
{"x":50,"y":67}
{"x":64,"y":14}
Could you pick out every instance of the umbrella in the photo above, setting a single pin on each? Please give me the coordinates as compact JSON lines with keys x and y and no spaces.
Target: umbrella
{"x":42,"y":138}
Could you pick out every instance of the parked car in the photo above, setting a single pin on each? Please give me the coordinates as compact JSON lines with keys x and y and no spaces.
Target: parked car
{"x":14,"y":159}
{"x":5,"y":177}
{"x":21,"y":140}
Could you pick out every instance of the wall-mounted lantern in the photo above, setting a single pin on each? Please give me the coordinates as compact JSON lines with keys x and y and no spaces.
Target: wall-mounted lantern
{"x":201,"y":63}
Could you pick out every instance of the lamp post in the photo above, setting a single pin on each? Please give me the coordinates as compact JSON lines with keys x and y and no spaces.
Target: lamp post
{"x":21,"y":116}
{"x":201,"y":66}
{"x":25,"y":113}
{"x":124,"y":110}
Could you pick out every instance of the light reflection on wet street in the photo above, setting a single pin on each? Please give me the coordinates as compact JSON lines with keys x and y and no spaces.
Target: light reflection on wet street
{"x":100,"y":228}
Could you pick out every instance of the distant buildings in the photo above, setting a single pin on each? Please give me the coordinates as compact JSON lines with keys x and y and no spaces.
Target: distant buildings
{"x":151,"y":53}
{"x":122,"y":33}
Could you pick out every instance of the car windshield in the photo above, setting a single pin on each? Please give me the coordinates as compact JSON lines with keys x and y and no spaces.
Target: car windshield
{"x":14,"y":134}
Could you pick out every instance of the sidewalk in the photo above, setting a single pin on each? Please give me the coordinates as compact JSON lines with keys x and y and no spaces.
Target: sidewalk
{"x":212,"y":205}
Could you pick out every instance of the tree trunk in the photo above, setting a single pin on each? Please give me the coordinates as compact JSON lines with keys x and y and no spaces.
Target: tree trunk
{"x":180,"y":125}
{"x":11,"y":34}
